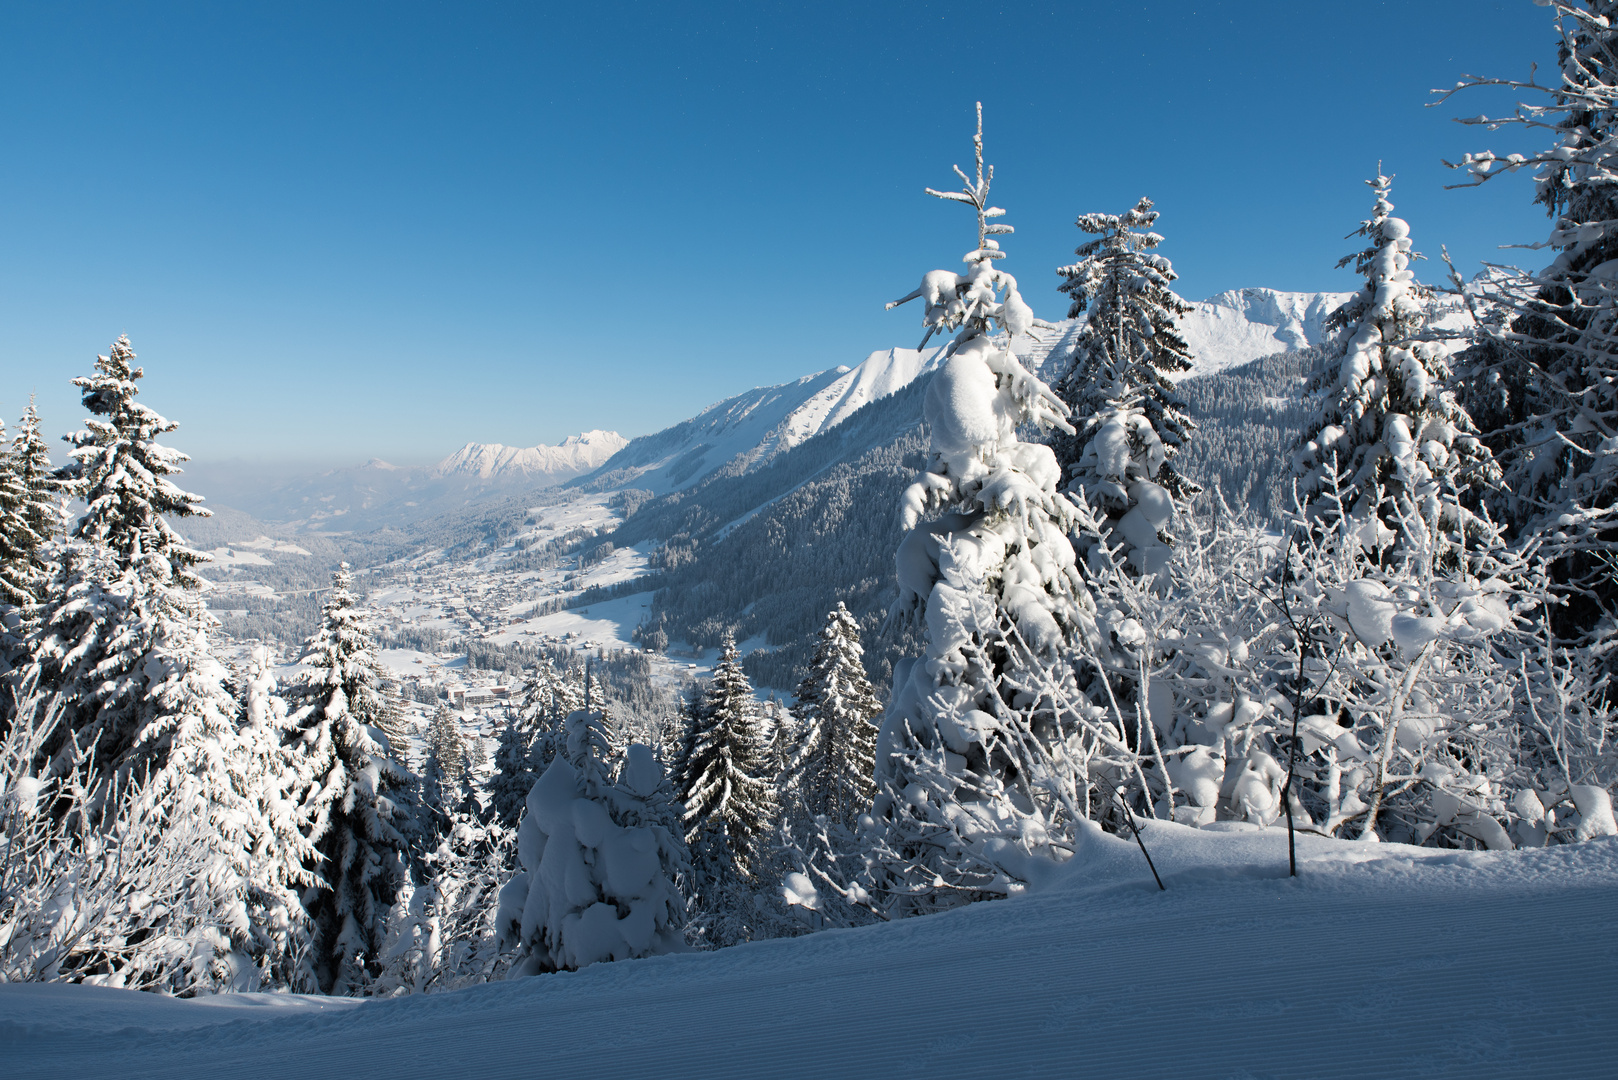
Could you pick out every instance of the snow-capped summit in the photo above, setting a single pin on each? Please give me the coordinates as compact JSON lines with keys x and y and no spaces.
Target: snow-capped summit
{"x":573,"y":456}
{"x":1224,"y":331}
{"x":1242,"y":325}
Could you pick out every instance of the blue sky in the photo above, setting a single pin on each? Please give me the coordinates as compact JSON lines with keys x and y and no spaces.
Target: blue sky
{"x":334,"y":231}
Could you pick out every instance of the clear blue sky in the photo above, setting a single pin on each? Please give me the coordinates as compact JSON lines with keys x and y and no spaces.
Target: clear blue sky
{"x":342,"y":230}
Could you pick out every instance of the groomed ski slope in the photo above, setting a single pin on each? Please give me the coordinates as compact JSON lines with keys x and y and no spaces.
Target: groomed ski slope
{"x":1379,"y":961}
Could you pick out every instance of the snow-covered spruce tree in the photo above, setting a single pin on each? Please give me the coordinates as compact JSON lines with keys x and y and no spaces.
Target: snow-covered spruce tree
{"x":125,"y":585}
{"x":549,"y":697}
{"x":30,"y":518}
{"x":444,"y":765}
{"x":1130,"y":421}
{"x":278,"y":830}
{"x":356,"y":782}
{"x":603,"y":860}
{"x":1543,"y":383}
{"x":122,"y":673}
{"x":1392,"y":445}
{"x":830,"y":771}
{"x":974,"y":783}
{"x":730,"y":805}
{"x":514,"y":775}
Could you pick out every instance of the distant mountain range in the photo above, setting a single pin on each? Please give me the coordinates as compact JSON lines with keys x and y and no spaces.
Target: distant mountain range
{"x":379,"y":495}
{"x":738,"y":436}
{"x":543,"y":464}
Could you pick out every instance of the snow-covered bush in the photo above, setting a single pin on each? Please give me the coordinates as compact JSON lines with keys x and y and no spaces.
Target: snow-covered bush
{"x":443,"y":932}
{"x":121,"y":903}
{"x":602,"y":860}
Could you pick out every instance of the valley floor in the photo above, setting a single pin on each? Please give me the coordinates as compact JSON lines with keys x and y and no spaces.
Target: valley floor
{"x":1378,"y":961}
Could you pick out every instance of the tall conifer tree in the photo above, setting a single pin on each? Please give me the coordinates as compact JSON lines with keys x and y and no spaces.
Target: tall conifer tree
{"x":352,"y":801}
{"x":1392,"y":447}
{"x":964,"y":758}
{"x":831,"y":769}
{"x":1130,"y":421}
{"x":721,"y":778}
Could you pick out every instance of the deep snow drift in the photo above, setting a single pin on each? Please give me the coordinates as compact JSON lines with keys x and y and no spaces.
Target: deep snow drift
{"x":1379,"y":961}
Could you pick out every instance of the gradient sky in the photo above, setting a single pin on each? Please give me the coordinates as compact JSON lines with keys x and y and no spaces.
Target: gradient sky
{"x":334,"y":231}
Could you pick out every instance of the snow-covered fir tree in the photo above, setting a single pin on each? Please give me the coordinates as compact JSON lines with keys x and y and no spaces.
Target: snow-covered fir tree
{"x":969,"y":755}
{"x":729,"y":800}
{"x":352,"y":800}
{"x":514,"y":774}
{"x":122,"y":676}
{"x":1118,"y":384}
{"x":831,"y":768}
{"x":1542,"y":383}
{"x":445,"y":747}
{"x":447,"y":785}
{"x":549,"y":696}
{"x":277,"y":830}
{"x":125,"y":585}
{"x":1392,"y":447}
{"x":30,"y":518}
{"x":603,"y":859}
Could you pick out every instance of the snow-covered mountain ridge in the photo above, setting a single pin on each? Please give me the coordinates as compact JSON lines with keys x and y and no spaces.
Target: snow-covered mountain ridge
{"x":750,"y":430}
{"x":1224,"y":331}
{"x":573,"y":455}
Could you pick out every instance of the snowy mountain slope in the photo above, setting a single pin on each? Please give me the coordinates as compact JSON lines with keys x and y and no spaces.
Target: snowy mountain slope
{"x":1239,"y":326}
{"x":1378,"y":961}
{"x":574,"y":455}
{"x":750,"y":430}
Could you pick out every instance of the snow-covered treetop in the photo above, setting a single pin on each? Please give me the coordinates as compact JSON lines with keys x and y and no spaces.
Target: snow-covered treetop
{"x":1392,"y":442}
{"x":982,"y":394}
{"x":1119,"y":381}
{"x":981,"y":299}
{"x":1122,"y":241}
{"x":121,"y":471}
{"x":1391,"y":297}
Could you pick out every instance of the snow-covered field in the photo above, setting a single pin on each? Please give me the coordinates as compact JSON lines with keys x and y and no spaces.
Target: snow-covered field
{"x":1379,"y":961}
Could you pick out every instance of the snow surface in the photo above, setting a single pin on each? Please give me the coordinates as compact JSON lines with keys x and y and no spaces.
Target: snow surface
{"x":1378,"y":961}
